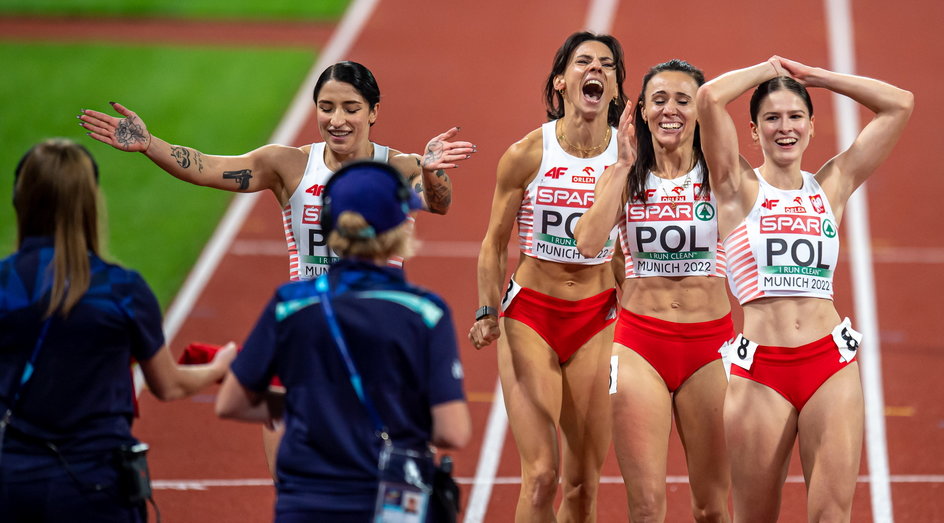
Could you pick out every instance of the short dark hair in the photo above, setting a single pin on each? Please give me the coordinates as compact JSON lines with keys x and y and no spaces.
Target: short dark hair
{"x":781,"y":83}
{"x":554,"y":101}
{"x":354,"y":74}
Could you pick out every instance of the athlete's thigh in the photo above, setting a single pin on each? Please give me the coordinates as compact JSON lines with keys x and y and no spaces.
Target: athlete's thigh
{"x":531,"y":385}
{"x":642,"y":421}
{"x":585,"y":408}
{"x":760,"y":428}
{"x":830,"y":434}
{"x":699,"y":405}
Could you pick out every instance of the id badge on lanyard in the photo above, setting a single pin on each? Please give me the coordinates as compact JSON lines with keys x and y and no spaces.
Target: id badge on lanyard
{"x":405,"y":485}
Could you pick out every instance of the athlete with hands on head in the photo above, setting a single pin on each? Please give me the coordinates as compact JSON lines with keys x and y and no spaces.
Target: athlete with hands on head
{"x":554,"y":329}
{"x":675,"y":312}
{"x":793,"y":371}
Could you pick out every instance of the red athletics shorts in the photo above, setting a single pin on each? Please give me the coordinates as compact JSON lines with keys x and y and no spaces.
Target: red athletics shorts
{"x":795,"y":372}
{"x":675,"y":350}
{"x":564,"y":324}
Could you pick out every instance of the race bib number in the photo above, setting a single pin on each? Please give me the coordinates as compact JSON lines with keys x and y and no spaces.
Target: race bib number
{"x":741,"y":352}
{"x":847,"y":340}
{"x":510,"y":293}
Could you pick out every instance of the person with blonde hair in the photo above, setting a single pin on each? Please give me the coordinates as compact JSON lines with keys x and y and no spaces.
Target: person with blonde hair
{"x":70,"y":326}
{"x":367,"y":359}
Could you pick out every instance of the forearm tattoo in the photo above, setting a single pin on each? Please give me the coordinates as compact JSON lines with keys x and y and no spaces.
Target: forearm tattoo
{"x":438,"y":197}
{"x":198,"y":157}
{"x":182,"y":155}
{"x":242,"y":177}
{"x":129,"y":132}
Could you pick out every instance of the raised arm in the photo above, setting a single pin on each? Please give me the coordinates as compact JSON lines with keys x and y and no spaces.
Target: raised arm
{"x":270,"y":167}
{"x":427,"y":173}
{"x":892,"y":107}
{"x":169,"y":381}
{"x":719,"y":139}
{"x":593,"y":228}
{"x":516,"y":166}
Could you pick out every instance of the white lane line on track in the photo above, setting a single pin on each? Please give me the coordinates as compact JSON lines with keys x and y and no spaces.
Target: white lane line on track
{"x":206,"y":484}
{"x":286,"y":132}
{"x":842,"y":59}
{"x":489,"y":459}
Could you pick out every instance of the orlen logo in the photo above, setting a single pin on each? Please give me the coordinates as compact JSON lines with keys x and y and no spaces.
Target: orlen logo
{"x":585,"y":179}
{"x":555,"y":172}
{"x":787,"y":224}
{"x":769,"y":204}
{"x":311,"y":214}
{"x":315,"y":190}
{"x":558,"y":197}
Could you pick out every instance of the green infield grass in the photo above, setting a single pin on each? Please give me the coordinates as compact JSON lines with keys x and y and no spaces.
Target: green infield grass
{"x":218,"y":100}
{"x":328,"y":10}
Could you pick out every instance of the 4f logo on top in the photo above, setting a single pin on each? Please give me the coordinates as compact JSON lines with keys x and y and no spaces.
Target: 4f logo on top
{"x":555,"y":172}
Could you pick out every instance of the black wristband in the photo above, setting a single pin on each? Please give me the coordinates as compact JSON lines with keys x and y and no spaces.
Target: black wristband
{"x":484,"y":311}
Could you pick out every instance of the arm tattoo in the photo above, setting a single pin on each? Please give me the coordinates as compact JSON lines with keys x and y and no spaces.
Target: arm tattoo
{"x":441,"y":173}
{"x":182,"y":155}
{"x":438,"y":197}
{"x":198,"y":157}
{"x":418,"y":188}
{"x":242,"y":177}
{"x":433,"y":153}
{"x":129,"y":132}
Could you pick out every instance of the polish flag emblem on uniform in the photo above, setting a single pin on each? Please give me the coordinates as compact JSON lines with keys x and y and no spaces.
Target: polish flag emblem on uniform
{"x":817,"y":202}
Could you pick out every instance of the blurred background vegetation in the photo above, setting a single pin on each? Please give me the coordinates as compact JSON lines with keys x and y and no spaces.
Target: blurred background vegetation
{"x":217,"y":99}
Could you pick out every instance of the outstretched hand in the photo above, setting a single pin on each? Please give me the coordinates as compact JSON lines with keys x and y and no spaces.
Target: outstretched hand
{"x":127,"y":134}
{"x":440,"y":153}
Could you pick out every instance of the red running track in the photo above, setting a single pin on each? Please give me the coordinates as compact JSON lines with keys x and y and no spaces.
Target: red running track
{"x":482,"y":66}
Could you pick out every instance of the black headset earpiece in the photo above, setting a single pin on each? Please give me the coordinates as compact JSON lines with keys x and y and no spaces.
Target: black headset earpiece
{"x":19,"y":165}
{"x":403,"y":189}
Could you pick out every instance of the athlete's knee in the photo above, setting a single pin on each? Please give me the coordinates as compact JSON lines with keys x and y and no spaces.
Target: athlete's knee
{"x":710,"y":514}
{"x":542,"y":487}
{"x":832,"y":513}
{"x":647,"y":506}
{"x":581,"y":498}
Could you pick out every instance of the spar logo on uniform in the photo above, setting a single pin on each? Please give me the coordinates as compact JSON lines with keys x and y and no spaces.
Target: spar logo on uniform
{"x":311,"y":215}
{"x":705,"y":212}
{"x":563,"y":197}
{"x":829,"y":229}
{"x":660,"y":212}
{"x":791,"y":224}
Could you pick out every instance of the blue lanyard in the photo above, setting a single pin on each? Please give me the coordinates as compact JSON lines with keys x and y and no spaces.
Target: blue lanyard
{"x":323,"y":287}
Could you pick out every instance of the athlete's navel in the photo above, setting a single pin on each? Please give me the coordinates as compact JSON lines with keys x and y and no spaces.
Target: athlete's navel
{"x":675,"y":305}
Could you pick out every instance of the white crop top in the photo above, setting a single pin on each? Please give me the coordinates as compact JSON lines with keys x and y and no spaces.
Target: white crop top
{"x":557,"y":197}
{"x":787,"y":245}
{"x":674,"y":232}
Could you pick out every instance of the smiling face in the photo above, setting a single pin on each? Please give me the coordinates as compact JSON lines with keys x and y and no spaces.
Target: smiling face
{"x":783,"y":128}
{"x":668,"y":108}
{"x":344,"y":118}
{"x":589,"y":80}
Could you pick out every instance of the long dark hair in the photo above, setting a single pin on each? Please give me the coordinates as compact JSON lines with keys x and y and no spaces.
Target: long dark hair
{"x":781,"y":83}
{"x":645,"y":152}
{"x":554,"y":101}
{"x":355,"y":74}
{"x":56,"y":194}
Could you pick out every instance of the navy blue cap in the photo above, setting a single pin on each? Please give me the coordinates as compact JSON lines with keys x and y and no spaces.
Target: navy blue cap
{"x":375,"y":190}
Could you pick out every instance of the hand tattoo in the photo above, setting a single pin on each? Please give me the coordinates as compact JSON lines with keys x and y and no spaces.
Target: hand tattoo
{"x":182,"y":155}
{"x":242,"y":177}
{"x":129,"y":132}
{"x":433,"y":153}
